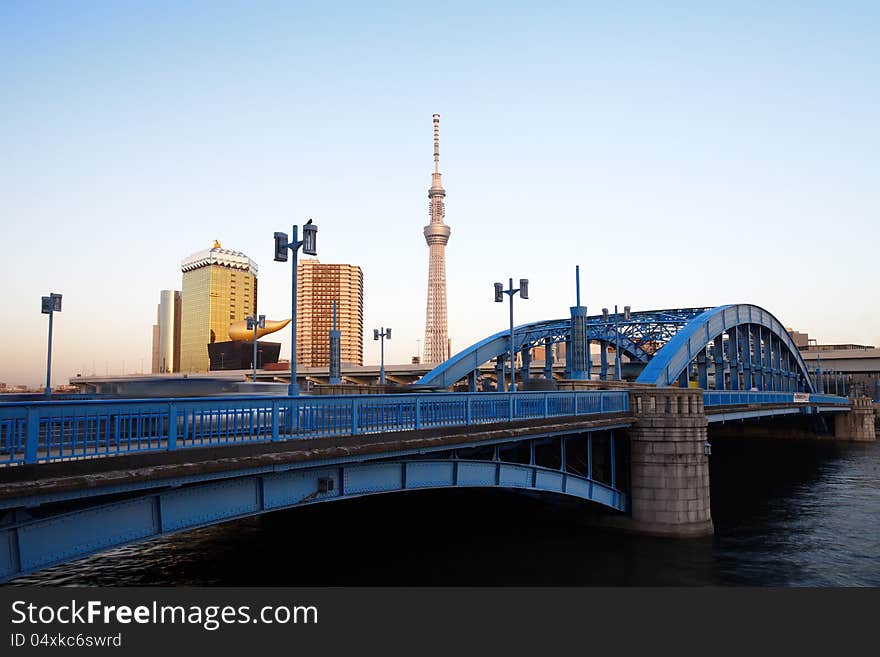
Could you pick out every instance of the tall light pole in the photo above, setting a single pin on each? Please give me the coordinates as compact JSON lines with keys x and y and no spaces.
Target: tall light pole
{"x":627,"y":315}
{"x":254,"y":322}
{"x":309,"y":245}
{"x":523,"y":290}
{"x":381,"y":335}
{"x":51,"y":305}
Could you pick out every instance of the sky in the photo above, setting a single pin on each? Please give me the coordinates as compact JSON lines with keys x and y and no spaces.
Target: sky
{"x":681,"y":153}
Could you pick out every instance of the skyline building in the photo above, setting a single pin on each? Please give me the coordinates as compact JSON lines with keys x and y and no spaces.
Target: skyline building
{"x":318,"y":286}
{"x":219,"y":287}
{"x":436,"y":233}
{"x":166,"y":333}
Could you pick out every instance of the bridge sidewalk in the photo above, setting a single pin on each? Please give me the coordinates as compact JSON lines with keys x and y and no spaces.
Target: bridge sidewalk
{"x":227,"y":460}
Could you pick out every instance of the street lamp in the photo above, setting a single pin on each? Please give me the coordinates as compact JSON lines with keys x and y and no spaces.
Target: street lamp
{"x":51,"y":305}
{"x":627,"y":315}
{"x":255,"y":323}
{"x":377,"y":335}
{"x":523,"y":290}
{"x":308,"y":244}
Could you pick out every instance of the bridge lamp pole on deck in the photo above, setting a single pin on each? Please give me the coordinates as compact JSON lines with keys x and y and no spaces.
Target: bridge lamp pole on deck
{"x":523,"y":290}
{"x":618,"y":375}
{"x":381,"y":335}
{"x":255,"y":323}
{"x":309,"y":246}
{"x":51,"y":305}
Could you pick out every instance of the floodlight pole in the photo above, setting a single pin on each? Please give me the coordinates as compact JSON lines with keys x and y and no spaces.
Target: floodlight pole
{"x":50,"y":305}
{"x":49,"y":359}
{"x":256,"y":322}
{"x":282,"y":245}
{"x":293,"y":389}
{"x":616,"y":344}
{"x":381,"y":335}
{"x":255,"y":351}
{"x":510,"y":291}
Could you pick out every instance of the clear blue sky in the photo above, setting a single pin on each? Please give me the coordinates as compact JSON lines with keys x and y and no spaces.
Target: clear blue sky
{"x":681,"y":153}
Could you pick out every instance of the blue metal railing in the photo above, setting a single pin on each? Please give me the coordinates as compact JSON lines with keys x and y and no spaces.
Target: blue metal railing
{"x":731,"y":397}
{"x":34,"y":432}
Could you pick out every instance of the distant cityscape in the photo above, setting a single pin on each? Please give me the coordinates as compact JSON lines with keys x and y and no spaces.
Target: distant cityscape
{"x":199,"y":328}
{"x":203,"y":327}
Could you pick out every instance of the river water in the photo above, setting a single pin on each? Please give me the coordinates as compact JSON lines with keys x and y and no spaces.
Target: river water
{"x":786,"y":513}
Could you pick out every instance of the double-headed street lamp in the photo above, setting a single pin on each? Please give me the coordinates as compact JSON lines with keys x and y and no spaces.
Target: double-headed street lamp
{"x":255,"y":323}
{"x":51,"y":305}
{"x":618,"y":376}
{"x":381,"y":335}
{"x":308,"y":244}
{"x":523,"y":290}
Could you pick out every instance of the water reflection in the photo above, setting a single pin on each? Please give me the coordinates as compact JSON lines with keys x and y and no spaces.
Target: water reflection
{"x":786,"y":514}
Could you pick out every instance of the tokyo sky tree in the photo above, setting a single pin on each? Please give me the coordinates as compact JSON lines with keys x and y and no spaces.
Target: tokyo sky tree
{"x":436,"y":235}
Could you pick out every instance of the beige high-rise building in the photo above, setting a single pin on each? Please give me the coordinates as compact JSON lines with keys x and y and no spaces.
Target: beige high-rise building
{"x":219,"y":287}
{"x":436,"y":235}
{"x":166,"y":333}
{"x":318,"y":286}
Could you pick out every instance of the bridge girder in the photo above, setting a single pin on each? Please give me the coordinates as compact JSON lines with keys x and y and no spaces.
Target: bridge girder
{"x":147,"y":513}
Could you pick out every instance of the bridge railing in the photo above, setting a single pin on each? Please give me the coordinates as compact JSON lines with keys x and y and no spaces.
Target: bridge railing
{"x":737,"y":397}
{"x":33,"y":432}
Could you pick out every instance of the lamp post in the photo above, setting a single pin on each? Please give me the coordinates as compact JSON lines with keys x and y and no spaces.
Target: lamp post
{"x":523,"y":290}
{"x":617,"y":363}
{"x":308,"y":244}
{"x":255,"y":323}
{"x":50,"y":306}
{"x":381,"y":335}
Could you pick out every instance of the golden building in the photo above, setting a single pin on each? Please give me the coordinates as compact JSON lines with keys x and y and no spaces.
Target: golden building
{"x":219,"y":288}
{"x":318,"y":286}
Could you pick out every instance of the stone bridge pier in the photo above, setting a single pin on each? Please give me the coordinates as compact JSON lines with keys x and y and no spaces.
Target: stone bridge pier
{"x":669,"y":464}
{"x":858,"y":424}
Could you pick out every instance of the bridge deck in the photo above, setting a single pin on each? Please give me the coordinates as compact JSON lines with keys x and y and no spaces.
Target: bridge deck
{"x":113,"y":474}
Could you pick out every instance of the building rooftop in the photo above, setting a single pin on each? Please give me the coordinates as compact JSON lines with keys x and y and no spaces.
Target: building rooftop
{"x":219,"y":256}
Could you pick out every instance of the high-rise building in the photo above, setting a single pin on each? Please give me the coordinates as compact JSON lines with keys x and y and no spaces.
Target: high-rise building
{"x":318,"y":286}
{"x":166,"y":333}
{"x":219,"y":288}
{"x":436,"y":235}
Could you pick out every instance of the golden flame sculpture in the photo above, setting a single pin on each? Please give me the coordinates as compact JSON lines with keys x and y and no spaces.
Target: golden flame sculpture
{"x":240,"y":331}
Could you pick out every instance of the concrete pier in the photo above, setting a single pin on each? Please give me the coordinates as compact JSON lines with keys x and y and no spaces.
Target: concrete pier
{"x":669,"y":466}
{"x":858,"y":424}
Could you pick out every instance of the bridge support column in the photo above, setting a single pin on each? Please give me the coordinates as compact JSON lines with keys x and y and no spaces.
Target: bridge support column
{"x":702,"y":370}
{"x":746,"y":357}
{"x":603,"y":361}
{"x":580,"y":348}
{"x":718,"y":352}
{"x":669,"y":464}
{"x":499,"y":373}
{"x":548,"y":359}
{"x":567,"y":346}
{"x":733,"y":357}
{"x":858,"y":424}
{"x":757,"y":367}
{"x":526,"y":369}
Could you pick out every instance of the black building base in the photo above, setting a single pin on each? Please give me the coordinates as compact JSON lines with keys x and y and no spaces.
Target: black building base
{"x":239,"y":355}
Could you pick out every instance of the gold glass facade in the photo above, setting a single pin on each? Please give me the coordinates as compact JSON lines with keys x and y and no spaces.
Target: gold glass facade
{"x":318,"y":286}
{"x":217,"y":291}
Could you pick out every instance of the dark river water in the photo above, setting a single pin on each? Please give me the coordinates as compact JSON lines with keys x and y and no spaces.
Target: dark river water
{"x":786,"y":513}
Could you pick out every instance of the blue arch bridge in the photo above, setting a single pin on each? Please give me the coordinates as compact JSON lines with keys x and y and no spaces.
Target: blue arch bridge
{"x":82,"y":476}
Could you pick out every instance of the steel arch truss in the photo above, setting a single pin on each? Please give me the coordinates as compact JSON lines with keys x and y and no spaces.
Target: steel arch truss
{"x":639,"y":337}
{"x":744,"y":346}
